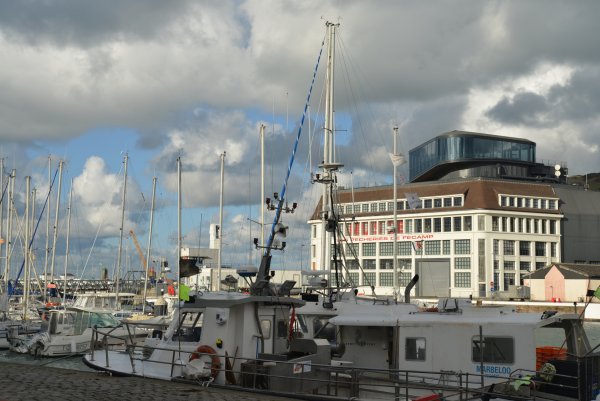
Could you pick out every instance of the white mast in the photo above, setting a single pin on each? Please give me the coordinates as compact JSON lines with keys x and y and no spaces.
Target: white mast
{"x":329,"y":165}
{"x":67,"y":242}
{"x":9,"y":217}
{"x":220,"y":249}
{"x":397,"y":160}
{"x":55,"y":233}
{"x":47,"y":252}
{"x":31,"y":230}
{"x":26,"y":268}
{"x":119,"y":255}
{"x":262,"y":185}
{"x":147,"y":267}
{"x":2,"y":204}
{"x":395,"y":253}
{"x":178,"y":222}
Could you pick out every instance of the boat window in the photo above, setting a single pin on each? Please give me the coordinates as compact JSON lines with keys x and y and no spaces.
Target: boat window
{"x":282,"y":329}
{"x":415,"y":349}
{"x":493,"y":349}
{"x":323,"y":329}
{"x":103,"y":320}
{"x":265,"y":326}
{"x":301,"y":322}
{"x":550,"y":336}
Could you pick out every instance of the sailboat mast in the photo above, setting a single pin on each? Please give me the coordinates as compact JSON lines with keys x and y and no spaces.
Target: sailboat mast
{"x":2,"y":239}
{"x":220,"y":249}
{"x":47,"y":251}
{"x":26,"y":253}
{"x":178,"y":221}
{"x":262,"y":185}
{"x":395,"y":228}
{"x":55,"y":233}
{"x":329,"y":166}
{"x":9,"y":217}
{"x":119,"y":255}
{"x":67,"y":242}
{"x":147,"y":267}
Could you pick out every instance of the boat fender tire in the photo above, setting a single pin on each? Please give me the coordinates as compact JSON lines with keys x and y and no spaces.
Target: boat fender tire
{"x":214,"y":358}
{"x":157,"y":334}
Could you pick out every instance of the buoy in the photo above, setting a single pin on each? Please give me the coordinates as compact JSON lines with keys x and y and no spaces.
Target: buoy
{"x":214,"y":358}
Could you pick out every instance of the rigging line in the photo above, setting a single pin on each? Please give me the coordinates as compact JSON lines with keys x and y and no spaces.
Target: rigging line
{"x":35,"y":230}
{"x":350,"y":65}
{"x":291,"y":162}
{"x":361,"y":129}
{"x":77,"y":242}
{"x":353,"y":251}
{"x":4,"y":190}
{"x":90,"y":252}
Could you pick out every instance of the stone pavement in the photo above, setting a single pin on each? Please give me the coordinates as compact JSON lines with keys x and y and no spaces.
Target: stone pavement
{"x":19,"y":382}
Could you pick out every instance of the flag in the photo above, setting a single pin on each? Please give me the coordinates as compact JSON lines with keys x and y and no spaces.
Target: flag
{"x":184,"y":292}
{"x":597,"y":292}
{"x":413,"y":200}
{"x":397,"y":159}
{"x":292,"y":321}
{"x":417,"y":246}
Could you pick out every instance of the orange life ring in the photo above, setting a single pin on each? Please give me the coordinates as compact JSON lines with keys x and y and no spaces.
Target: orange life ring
{"x":215,"y":365}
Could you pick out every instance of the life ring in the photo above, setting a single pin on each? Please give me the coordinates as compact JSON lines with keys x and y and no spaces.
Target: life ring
{"x":215,"y":365}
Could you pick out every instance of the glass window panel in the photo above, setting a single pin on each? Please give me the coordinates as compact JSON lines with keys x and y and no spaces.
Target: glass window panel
{"x":462,"y":263}
{"x":415,"y":349}
{"x":467,"y":223}
{"x":493,"y":350}
{"x":386,"y":248}
{"x":462,"y":246}
{"x":462,"y":280}
{"x":369,"y":249}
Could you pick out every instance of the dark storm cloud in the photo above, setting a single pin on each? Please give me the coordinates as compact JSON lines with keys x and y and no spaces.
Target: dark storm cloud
{"x":83,"y":23}
{"x":579,"y":99}
{"x":575,"y":101}
{"x":526,"y":108}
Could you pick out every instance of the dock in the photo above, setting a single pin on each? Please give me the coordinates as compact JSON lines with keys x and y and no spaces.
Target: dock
{"x":21,"y":382}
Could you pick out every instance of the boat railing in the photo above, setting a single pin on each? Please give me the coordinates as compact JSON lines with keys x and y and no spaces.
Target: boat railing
{"x":343,"y":380}
{"x":331,"y":380}
{"x":570,"y":378}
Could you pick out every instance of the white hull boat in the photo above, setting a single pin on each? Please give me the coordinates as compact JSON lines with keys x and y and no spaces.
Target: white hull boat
{"x":70,"y":332}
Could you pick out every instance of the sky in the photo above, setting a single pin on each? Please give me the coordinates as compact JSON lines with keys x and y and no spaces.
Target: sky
{"x":90,"y":82}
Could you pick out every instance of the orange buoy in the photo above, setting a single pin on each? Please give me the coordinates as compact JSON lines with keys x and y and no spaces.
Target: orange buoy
{"x":215,"y":365}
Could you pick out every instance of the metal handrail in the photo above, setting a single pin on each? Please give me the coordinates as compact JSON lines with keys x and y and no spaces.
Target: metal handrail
{"x":355,"y":381}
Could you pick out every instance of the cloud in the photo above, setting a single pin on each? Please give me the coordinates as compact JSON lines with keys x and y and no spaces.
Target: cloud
{"x":195,"y":79}
{"x":523,"y":108}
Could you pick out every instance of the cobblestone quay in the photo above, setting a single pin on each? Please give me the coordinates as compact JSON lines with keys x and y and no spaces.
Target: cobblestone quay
{"x":19,"y":382}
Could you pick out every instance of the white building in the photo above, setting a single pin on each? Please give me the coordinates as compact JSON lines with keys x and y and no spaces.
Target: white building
{"x":482,"y":220}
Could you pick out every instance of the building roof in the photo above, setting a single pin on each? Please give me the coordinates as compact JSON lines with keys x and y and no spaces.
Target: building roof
{"x":479,"y":193}
{"x":569,"y":271}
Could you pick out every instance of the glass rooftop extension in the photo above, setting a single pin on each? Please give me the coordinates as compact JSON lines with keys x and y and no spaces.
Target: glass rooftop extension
{"x":435,"y":157}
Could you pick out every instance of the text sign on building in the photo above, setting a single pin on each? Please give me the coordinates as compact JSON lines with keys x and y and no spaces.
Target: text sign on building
{"x":399,"y":237}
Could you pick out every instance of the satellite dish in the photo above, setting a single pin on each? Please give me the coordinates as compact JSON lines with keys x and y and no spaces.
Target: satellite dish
{"x":557,"y":173}
{"x":557,"y":167}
